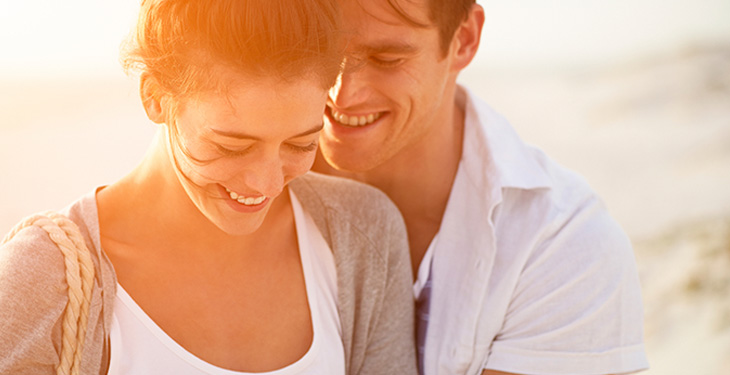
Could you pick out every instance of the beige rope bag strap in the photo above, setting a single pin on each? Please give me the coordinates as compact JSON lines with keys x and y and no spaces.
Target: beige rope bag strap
{"x":79,"y":277}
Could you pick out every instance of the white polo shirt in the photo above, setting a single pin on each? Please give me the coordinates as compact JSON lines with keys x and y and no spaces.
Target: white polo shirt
{"x":530,"y":273}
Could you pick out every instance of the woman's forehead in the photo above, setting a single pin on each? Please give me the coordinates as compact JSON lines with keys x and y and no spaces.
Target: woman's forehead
{"x":254,"y":108}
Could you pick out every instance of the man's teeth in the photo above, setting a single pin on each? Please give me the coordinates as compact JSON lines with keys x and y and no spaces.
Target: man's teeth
{"x":355,"y":120}
{"x":243,"y":200}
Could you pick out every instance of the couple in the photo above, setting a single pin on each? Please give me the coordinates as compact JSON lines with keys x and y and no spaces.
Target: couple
{"x":221,"y":254}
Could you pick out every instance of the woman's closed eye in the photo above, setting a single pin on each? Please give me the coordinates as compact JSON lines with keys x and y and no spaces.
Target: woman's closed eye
{"x":225,"y":151}
{"x":304,"y":148}
{"x":234,"y":152}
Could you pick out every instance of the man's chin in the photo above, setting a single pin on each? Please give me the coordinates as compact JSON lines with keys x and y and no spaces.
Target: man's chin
{"x":339,"y":160}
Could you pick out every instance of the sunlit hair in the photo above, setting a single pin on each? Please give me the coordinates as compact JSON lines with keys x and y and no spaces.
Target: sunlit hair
{"x":446,"y":15}
{"x":178,"y":42}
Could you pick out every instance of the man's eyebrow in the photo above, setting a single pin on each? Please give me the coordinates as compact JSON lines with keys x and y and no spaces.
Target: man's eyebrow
{"x":378,"y":48}
{"x":239,"y":135}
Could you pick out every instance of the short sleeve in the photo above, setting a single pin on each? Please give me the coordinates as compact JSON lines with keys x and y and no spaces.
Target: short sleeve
{"x":32,"y":301}
{"x":577,"y":307}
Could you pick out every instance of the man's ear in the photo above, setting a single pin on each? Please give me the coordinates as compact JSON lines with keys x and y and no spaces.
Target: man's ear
{"x":151,"y":95}
{"x":466,"y":38}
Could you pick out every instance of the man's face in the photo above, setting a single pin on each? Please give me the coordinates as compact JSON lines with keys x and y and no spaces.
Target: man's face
{"x":391,"y":91}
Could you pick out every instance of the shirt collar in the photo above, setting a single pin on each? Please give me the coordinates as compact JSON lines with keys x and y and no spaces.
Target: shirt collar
{"x":493,"y":154}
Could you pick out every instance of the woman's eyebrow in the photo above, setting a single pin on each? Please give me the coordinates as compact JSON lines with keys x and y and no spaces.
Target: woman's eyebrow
{"x":240,"y":135}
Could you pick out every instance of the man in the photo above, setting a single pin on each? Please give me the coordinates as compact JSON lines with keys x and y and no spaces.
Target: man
{"x":519,"y":268}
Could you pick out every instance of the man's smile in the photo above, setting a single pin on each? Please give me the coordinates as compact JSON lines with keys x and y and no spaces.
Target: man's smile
{"x":354,"y":120}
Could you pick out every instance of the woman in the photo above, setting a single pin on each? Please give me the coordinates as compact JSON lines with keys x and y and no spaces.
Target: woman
{"x":210,"y":257}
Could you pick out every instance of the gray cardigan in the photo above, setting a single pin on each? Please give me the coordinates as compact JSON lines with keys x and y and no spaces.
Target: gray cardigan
{"x":363,"y":228}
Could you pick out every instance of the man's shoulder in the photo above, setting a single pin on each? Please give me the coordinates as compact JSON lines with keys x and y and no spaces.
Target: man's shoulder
{"x":568,"y":201}
{"x":566,"y":222}
{"x":543,"y":199}
{"x":566,"y":190}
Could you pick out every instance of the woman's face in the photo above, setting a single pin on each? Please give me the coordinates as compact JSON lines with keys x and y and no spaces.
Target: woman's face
{"x":249,"y":144}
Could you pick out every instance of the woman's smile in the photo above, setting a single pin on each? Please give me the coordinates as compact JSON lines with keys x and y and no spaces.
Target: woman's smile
{"x":242,"y":203}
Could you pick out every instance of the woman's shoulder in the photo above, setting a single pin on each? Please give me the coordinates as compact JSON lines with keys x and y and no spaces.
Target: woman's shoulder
{"x":30,"y":253}
{"x":30,"y":249}
{"x":32,"y":276}
{"x":34,"y":292}
{"x":357,"y":220}
{"x":348,"y":199}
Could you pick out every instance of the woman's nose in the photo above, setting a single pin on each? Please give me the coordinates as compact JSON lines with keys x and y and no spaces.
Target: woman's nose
{"x":265,"y":175}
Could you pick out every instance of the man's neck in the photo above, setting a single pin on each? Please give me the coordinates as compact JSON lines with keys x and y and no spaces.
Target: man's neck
{"x":419,"y":178}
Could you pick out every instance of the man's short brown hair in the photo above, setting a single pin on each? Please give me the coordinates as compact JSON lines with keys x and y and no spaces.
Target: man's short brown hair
{"x":446,"y":15}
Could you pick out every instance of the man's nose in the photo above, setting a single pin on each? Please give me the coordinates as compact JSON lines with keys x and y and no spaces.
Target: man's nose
{"x":352,"y":86}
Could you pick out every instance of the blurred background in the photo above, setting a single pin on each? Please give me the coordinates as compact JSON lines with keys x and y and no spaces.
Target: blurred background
{"x":634,"y":95}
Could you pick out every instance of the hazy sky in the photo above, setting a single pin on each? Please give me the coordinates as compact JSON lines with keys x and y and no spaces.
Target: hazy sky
{"x":61,"y":36}
{"x":40,"y":37}
{"x":586,"y":31}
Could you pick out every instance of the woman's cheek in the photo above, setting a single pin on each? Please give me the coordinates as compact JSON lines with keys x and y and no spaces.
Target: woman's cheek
{"x":298,"y":165}
{"x":223,"y":169}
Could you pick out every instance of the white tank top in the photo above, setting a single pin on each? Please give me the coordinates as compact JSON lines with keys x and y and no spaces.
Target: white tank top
{"x":141,"y":347}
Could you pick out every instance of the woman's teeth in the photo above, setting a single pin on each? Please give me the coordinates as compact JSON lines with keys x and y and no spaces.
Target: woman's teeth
{"x":355,"y":120}
{"x":244,"y":200}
